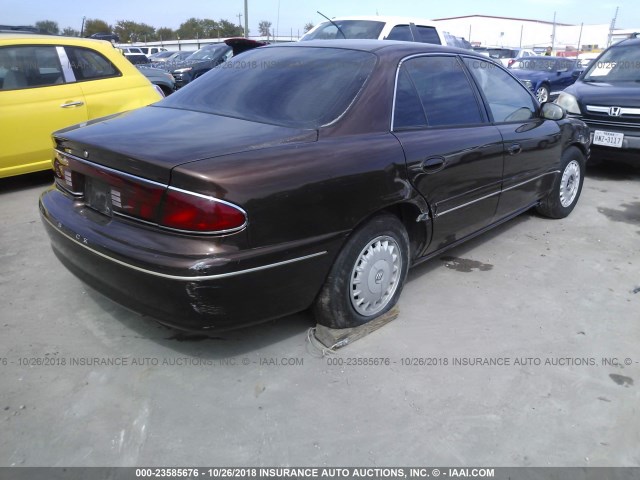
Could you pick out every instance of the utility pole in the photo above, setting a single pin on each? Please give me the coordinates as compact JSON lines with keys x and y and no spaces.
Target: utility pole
{"x":239,"y":20}
{"x":553,"y":33}
{"x":580,"y":37}
{"x":612,"y":27}
{"x":521,"y":32}
{"x":246,"y":18}
{"x":82,"y":28}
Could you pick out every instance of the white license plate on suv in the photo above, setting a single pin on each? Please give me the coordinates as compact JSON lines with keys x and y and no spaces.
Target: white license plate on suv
{"x":608,"y":139}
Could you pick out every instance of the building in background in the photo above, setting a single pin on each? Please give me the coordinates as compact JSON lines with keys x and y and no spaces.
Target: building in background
{"x":489,"y":30}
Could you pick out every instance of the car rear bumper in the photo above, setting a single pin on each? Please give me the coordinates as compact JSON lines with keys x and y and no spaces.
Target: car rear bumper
{"x":249,"y":287}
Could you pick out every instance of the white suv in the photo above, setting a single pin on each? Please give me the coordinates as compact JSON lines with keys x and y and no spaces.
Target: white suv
{"x":378,"y":28}
{"x":151,"y":50}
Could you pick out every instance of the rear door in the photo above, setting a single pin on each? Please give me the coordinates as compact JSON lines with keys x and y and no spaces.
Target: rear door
{"x":454,"y":156}
{"x":106,"y":88}
{"x":36,"y":99}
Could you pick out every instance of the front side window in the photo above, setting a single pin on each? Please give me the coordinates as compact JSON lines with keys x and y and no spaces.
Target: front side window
{"x":508,"y":100}
{"x":445,"y":91}
{"x":90,"y":65}
{"x":29,"y":66}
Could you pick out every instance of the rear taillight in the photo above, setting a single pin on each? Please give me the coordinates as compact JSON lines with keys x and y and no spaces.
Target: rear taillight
{"x":133,"y":197}
{"x":136,"y":199}
{"x":510,"y":62}
{"x":188,"y":211}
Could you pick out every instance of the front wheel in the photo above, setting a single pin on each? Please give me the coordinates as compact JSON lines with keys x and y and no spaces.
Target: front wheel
{"x":562,"y":199}
{"x":367,"y":276}
{"x":542,"y":93}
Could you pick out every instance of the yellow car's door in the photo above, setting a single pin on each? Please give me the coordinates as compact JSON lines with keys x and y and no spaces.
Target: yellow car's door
{"x":109,"y":84}
{"x":35,"y":101}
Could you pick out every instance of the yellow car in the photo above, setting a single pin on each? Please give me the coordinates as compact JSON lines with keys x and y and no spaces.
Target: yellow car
{"x":50,"y":82}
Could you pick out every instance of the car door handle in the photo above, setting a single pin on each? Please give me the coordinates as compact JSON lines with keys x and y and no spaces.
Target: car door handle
{"x":514,"y":149}
{"x":433,"y":164}
{"x":72,"y":104}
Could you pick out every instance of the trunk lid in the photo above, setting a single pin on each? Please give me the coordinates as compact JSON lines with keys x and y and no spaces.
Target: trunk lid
{"x":150,"y":142}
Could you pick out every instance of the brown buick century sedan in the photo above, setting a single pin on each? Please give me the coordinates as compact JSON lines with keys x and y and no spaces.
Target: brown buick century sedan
{"x":304,"y":176}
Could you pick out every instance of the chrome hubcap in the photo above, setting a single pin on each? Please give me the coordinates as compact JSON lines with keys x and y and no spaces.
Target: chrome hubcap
{"x":375,"y":276}
{"x":542,"y":95}
{"x":569,"y":183}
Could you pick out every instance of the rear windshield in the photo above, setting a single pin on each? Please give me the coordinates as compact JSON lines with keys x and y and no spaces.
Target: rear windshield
{"x":291,"y":86}
{"x":209,"y":52}
{"x":346,"y":29}
{"x":499,"y":53}
{"x":618,"y":64}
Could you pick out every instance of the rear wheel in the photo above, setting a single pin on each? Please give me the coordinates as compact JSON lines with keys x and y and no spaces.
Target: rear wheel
{"x":367,"y":276}
{"x":562,"y":199}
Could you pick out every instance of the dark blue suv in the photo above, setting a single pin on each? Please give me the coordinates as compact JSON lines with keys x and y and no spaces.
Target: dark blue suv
{"x":546,"y":77}
{"x":607,"y":98}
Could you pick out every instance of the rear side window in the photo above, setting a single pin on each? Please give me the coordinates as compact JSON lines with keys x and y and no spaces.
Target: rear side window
{"x":428,"y":35}
{"x":27,"y":67}
{"x":408,"y":111}
{"x":400,"y":32}
{"x":445,"y":92}
{"x":90,"y":65}
{"x":508,"y":100}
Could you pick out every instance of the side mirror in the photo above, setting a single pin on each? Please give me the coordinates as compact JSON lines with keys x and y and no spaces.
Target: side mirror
{"x":552,"y":111}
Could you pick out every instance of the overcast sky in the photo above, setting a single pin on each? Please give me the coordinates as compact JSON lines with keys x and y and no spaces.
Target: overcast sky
{"x":294,"y":14}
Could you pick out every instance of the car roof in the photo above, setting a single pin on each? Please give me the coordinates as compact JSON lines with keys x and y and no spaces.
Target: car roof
{"x":390,"y":46}
{"x":628,"y":41}
{"x":34,"y":38}
{"x":385,"y":19}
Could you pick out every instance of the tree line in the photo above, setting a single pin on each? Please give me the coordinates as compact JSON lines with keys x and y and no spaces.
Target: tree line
{"x":130,"y":31}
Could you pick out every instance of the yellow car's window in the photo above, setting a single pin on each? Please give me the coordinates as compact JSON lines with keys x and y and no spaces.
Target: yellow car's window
{"x":90,"y":65}
{"x":28,"y":67}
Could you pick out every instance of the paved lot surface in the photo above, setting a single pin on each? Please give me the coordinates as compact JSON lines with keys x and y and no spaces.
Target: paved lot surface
{"x":534,"y":290}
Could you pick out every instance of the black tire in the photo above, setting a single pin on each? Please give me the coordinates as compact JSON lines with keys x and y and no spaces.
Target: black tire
{"x":564,"y":195}
{"x":339,"y":304}
{"x":542,"y":93}
{"x":166,"y":90}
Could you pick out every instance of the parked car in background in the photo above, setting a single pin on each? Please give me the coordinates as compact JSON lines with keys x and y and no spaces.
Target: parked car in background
{"x":210,"y":56}
{"x":109,"y":37}
{"x":161,"y":56}
{"x":407,"y":29}
{"x":137,"y":58}
{"x":148,"y":51}
{"x":607,"y":98}
{"x":316,"y":181}
{"x":50,"y":82}
{"x":585,"y":59}
{"x":546,"y":76}
{"x":506,"y":56}
{"x":172,"y":61}
{"x":126,"y":49}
